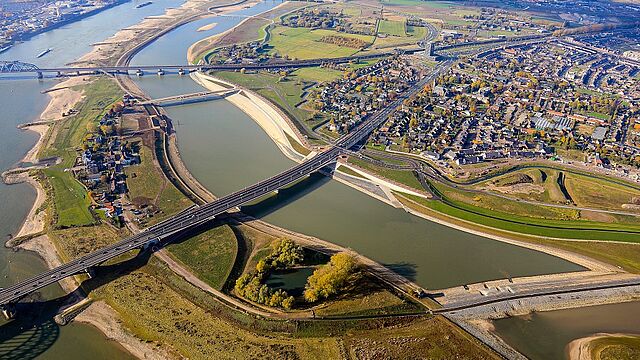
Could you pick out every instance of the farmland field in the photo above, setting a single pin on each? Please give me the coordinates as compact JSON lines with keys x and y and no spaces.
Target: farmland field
{"x":392,"y":27}
{"x":303,"y":43}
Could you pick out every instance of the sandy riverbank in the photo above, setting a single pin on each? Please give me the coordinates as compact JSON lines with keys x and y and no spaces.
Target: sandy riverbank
{"x":260,"y":110}
{"x":207,"y":27}
{"x":63,"y":98}
{"x":35,"y":220}
{"x":106,"y":319}
{"x":582,"y":349}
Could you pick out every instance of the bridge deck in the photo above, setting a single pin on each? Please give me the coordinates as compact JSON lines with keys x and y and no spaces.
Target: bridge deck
{"x":199,"y":215}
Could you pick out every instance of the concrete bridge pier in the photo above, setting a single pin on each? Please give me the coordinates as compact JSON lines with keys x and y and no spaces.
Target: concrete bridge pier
{"x":181,"y":71}
{"x":153,"y":245}
{"x":9,"y":311}
{"x":39,"y":74}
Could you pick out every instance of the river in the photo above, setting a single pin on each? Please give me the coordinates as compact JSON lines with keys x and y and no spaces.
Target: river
{"x":545,"y":335}
{"x":226,"y":150}
{"x":21,"y":102}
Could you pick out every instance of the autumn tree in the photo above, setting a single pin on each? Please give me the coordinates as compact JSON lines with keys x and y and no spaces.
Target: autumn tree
{"x":330,"y":278}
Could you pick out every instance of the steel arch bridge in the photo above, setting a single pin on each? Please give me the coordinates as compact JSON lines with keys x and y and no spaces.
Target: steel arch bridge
{"x":16,"y":66}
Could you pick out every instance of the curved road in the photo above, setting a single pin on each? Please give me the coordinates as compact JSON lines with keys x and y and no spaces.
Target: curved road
{"x":198,"y":215}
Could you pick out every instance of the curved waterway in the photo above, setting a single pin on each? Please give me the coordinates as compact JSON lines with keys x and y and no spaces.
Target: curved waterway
{"x":226,"y":150}
{"x":21,"y":101}
{"x":545,"y":335}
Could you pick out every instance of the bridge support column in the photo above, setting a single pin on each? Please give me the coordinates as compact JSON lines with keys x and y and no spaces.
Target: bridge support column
{"x":9,"y":311}
{"x":39,"y":74}
{"x":91,"y":272}
{"x":152,"y":245}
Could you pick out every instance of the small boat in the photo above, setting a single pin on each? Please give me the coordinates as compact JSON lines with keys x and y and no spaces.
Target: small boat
{"x":146,"y":3}
{"x":44,"y":53}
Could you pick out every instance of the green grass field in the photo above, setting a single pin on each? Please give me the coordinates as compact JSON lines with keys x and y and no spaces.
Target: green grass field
{"x":399,"y":176}
{"x":392,"y":27}
{"x":585,"y":190}
{"x":209,"y":255}
{"x":144,"y":180}
{"x":318,"y":74}
{"x":422,"y":3}
{"x":567,"y":229}
{"x":411,"y":37}
{"x":68,"y":133}
{"x":70,"y":199}
{"x":304,"y":43}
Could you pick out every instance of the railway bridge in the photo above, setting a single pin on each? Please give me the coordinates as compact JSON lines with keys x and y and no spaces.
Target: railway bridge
{"x":17,"y":67}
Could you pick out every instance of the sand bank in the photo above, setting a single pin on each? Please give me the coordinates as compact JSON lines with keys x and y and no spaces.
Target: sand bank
{"x":35,"y":220}
{"x":43,"y":246}
{"x":581,"y":349}
{"x":105,"y":318}
{"x":207,"y":27}
{"x":260,"y":110}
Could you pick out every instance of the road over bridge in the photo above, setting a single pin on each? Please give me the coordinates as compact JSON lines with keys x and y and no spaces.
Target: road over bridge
{"x":189,"y":98}
{"x":17,"y":67}
{"x":198,"y":215}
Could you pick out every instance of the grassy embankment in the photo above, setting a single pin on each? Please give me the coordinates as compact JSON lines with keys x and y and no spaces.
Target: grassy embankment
{"x":70,"y":201}
{"x":148,"y":186}
{"x":209,"y":255}
{"x":626,"y":256}
{"x":505,"y":217}
{"x":532,"y":223}
{"x":400,"y":176}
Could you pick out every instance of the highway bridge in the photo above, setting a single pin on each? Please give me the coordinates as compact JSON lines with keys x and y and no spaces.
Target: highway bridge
{"x":189,"y":98}
{"x":17,"y":67}
{"x":198,"y":215}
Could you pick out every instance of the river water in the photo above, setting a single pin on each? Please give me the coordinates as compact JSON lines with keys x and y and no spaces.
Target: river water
{"x":545,"y":335}
{"x":227,"y":150}
{"x":21,"y":101}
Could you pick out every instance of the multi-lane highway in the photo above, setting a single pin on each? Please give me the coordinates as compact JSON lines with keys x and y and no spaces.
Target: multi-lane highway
{"x":198,"y":215}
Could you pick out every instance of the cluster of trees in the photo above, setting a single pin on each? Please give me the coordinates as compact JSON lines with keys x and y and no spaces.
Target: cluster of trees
{"x":600,"y":104}
{"x":284,"y":254}
{"x":344,"y":41}
{"x":330,"y":278}
{"x":250,"y":286}
{"x":324,"y":19}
